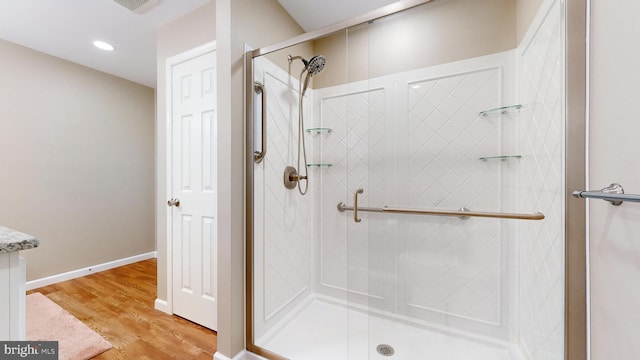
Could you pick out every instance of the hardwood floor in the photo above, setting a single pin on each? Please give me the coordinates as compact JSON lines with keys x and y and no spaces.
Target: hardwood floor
{"x":119,"y":305}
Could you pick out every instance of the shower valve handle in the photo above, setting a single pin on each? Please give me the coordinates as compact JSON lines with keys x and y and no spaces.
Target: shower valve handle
{"x":291,"y":177}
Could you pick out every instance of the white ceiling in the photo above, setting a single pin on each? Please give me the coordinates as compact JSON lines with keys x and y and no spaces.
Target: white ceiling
{"x":66,"y":28}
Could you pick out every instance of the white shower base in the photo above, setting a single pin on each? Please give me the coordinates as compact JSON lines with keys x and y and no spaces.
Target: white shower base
{"x":323,"y":330}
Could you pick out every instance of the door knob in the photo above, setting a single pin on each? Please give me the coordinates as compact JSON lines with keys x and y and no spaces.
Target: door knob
{"x":174,"y":202}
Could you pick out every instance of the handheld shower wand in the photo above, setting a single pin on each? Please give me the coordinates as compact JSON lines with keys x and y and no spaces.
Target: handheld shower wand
{"x":312,"y":67}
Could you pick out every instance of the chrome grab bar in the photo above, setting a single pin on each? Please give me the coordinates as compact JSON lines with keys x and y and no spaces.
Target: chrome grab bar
{"x":342,"y":207}
{"x":355,"y":205}
{"x":613,"y":193}
{"x":258,"y":156}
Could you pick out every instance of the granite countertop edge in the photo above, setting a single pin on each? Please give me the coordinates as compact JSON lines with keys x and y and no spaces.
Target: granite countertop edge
{"x":12,"y":240}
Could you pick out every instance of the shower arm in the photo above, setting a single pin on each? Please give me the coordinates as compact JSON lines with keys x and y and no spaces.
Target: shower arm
{"x":297,"y":57}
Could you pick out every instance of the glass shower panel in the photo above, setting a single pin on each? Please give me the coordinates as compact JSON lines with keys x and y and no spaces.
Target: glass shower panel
{"x":302,"y":266}
{"x":448,"y":285}
{"x":413,"y":138}
{"x":283,"y":230}
{"x":343,"y":104}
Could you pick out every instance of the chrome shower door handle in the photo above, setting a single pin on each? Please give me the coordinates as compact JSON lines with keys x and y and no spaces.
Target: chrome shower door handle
{"x":258,"y":156}
{"x":613,"y":193}
{"x":355,"y":205}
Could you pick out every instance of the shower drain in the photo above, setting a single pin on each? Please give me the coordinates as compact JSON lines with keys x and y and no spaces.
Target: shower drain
{"x":385,"y":350}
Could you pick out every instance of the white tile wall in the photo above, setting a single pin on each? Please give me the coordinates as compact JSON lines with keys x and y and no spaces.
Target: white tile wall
{"x":448,"y":265}
{"x":541,"y":137}
{"x":355,"y":148}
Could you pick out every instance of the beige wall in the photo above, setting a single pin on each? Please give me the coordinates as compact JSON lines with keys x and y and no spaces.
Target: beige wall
{"x":431,"y":34}
{"x":190,"y":31}
{"x":239,"y":22}
{"x":614,"y":149}
{"x":77,"y":163}
{"x":526,"y":11}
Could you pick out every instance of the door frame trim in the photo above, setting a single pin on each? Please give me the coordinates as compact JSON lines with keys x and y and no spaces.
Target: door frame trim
{"x":576,"y":91}
{"x":170,"y":63}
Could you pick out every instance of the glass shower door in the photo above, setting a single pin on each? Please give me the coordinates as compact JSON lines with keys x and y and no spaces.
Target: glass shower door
{"x":282,"y":231}
{"x":413,"y":139}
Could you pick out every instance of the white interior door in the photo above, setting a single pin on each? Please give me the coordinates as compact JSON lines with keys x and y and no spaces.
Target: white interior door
{"x":614,"y":241}
{"x":194,"y":189}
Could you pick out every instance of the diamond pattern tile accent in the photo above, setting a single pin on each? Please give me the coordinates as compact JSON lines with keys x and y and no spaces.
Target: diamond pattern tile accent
{"x":356,"y":148}
{"x":542,"y":243}
{"x":287,"y":216}
{"x":442,"y":265}
{"x":447,"y":265}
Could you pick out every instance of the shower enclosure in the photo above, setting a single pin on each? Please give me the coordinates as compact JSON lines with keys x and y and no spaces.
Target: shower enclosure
{"x":433,"y":226}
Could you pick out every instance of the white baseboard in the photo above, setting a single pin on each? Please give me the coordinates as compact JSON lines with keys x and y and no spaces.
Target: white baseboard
{"x":163,"y":305}
{"x":54,"y":279}
{"x":242,"y":355}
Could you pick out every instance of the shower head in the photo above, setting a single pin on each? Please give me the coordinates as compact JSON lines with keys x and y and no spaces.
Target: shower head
{"x":312,"y":66}
{"x":315,"y":64}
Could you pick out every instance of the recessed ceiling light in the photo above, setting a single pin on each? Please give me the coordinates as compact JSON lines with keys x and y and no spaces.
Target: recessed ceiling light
{"x":103,"y":45}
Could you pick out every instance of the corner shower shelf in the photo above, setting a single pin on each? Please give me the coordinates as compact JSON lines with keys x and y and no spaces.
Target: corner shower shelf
{"x":319,"y":130}
{"x":501,"y":158}
{"x":319,"y":165}
{"x":500,"y":110}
